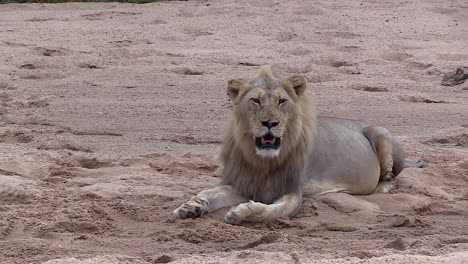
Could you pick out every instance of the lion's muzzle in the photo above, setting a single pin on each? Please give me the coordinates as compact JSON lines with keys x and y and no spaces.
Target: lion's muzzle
{"x":267,"y":141}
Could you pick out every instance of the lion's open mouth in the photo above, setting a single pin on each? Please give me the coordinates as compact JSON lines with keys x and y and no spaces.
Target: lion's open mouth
{"x":268,"y":141}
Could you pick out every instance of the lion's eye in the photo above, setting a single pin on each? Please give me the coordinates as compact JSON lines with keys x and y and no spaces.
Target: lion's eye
{"x":282,"y":101}
{"x":255,"y":100}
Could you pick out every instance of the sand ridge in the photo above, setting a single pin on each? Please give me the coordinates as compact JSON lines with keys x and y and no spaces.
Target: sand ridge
{"x":112,"y":115}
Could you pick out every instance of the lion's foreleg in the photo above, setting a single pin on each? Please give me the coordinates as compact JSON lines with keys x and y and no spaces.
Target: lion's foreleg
{"x":287,"y":205}
{"x":208,"y":201}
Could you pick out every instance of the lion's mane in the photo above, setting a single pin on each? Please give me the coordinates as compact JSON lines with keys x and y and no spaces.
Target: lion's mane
{"x":266,"y":179}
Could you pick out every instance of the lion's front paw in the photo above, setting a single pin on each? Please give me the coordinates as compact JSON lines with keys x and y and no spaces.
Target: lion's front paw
{"x":245,"y":212}
{"x":233,"y":217}
{"x":194,"y":208}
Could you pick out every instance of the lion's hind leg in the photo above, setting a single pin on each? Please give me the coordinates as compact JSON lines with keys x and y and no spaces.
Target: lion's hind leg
{"x":208,"y":201}
{"x":382,"y":143}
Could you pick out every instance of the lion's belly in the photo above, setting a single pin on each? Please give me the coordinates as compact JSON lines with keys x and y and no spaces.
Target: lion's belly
{"x":342,"y":159}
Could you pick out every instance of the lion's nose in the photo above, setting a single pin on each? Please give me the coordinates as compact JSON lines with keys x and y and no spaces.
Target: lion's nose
{"x":270,"y":123}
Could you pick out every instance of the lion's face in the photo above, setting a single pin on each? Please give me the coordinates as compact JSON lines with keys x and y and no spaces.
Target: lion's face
{"x":268,"y":113}
{"x":267,"y":108}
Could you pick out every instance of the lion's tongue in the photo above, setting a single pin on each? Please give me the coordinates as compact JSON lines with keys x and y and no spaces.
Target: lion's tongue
{"x":268,"y":141}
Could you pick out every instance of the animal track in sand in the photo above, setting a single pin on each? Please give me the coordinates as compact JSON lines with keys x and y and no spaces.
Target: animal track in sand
{"x":457,"y":140}
{"x":48,"y":52}
{"x":5,"y":97}
{"x":266,"y":239}
{"x":29,"y":66}
{"x":157,"y":22}
{"x":396,"y":56}
{"x":61,"y":145}
{"x":336,"y":227}
{"x":285,"y":36}
{"x":6,"y":86}
{"x":87,"y":132}
{"x":95,"y":133}
{"x":196,"y":32}
{"x":39,"y":71}
{"x":187,"y":71}
{"x":74,"y":226}
{"x":452,"y":57}
{"x":16,"y":189}
{"x":347,"y":203}
{"x":190,"y":140}
{"x":37,"y":19}
{"x":85,"y":65}
{"x":419,"y":65}
{"x":341,"y":34}
{"x":340,"y":63}
{"x":349,"y":48}
{"x":330,"y":61}
{"x":187,"y":163}
{"x":94,"y":163}
{"x":133,"y":211}
{"x":420,"y":99}
{"x":398,"y":244}
{"x":249,"y":64}
{"x":456,"y":77}
{"x":445,"y":10}
{"x":34,"y":103}
{"x":463,"y":165}
{"x":108,"y":14}
{"x":367,"y":88}
{"x":15,"y":137}
{"x":41,"y":76}
{"x":121,"y":43}
{"x":78,"y":219}
{"x":299,"y":51}
{"x":15,"y":44}
{"x":229,"y":236}
{"x":6,"y":228}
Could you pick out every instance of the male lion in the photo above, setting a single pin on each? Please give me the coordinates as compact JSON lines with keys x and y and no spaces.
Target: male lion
{"x":276,"y":150}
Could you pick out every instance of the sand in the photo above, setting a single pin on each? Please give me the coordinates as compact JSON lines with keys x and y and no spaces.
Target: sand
{"x":112,"y":115}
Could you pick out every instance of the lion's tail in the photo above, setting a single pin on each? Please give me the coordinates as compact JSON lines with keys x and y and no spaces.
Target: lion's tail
{"x":419,"y":164}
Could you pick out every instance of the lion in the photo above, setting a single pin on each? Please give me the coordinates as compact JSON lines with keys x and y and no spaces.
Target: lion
{"x":276,"y":151}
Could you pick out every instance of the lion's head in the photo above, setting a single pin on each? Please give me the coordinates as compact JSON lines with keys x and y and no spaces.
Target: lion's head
{"x":271,"y":114}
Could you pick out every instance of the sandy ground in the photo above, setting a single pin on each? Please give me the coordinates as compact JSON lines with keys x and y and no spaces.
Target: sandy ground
{"x":111,"y":116}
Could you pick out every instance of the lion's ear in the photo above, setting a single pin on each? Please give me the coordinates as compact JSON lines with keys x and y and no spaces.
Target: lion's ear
{"x":298,"y":83}
{"x":235,"y":87}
